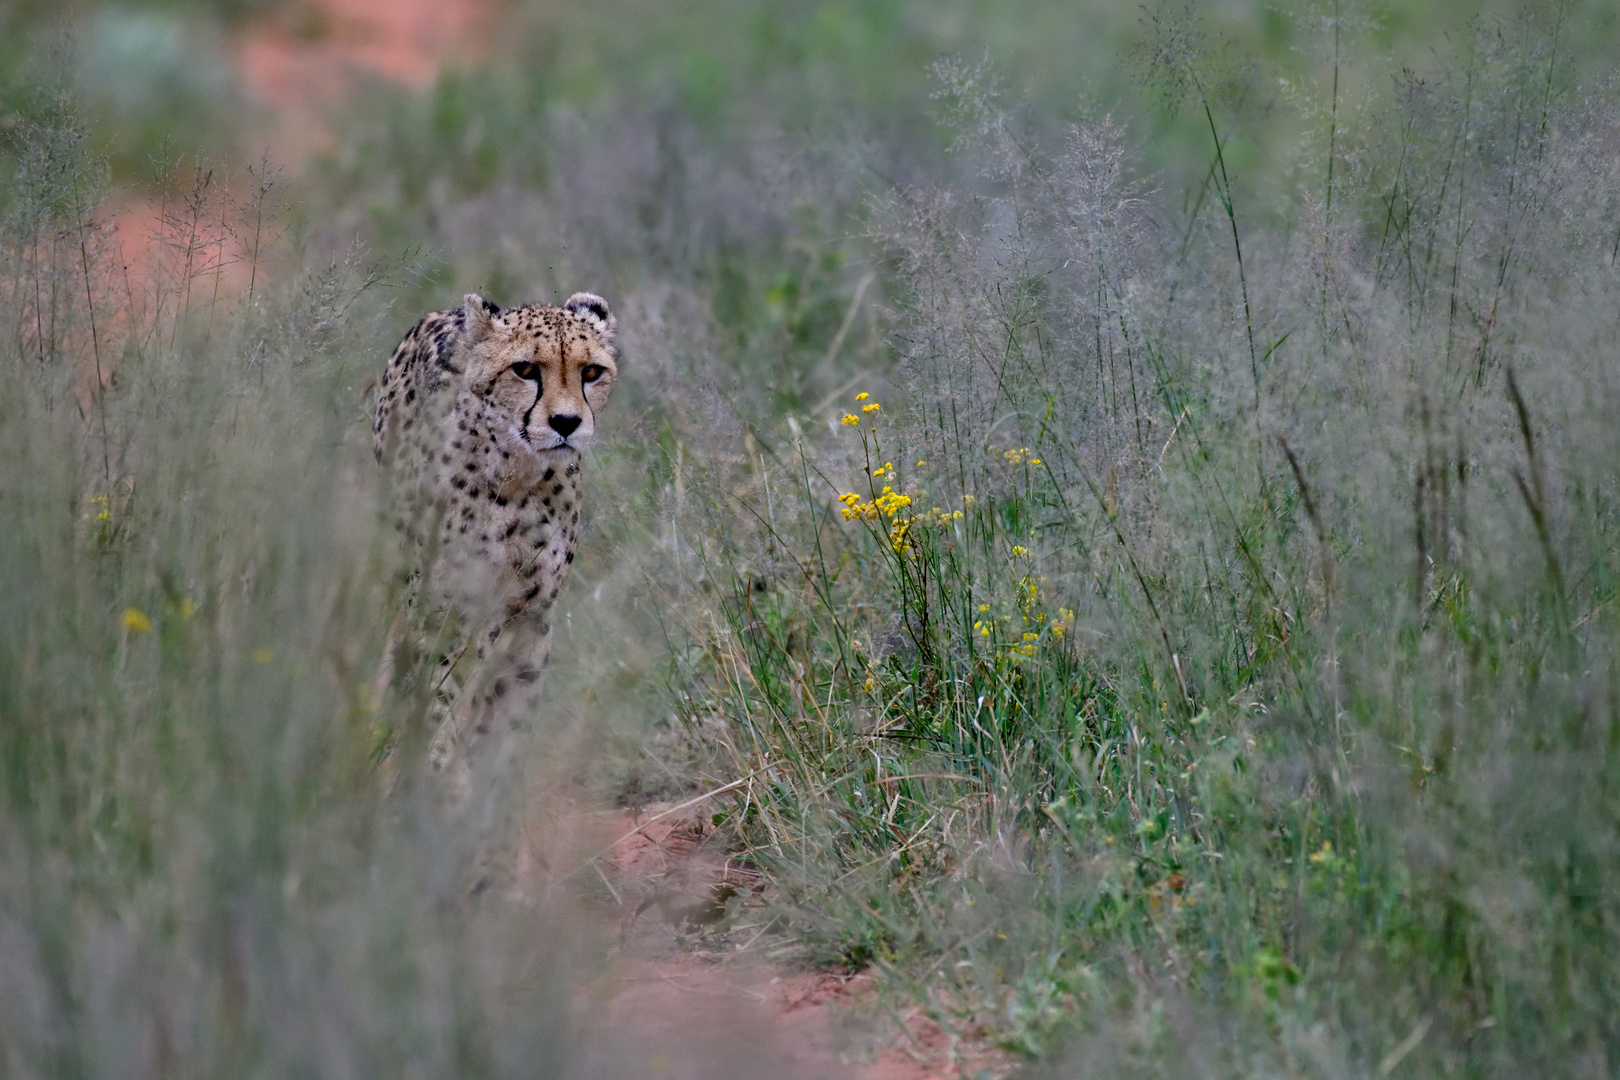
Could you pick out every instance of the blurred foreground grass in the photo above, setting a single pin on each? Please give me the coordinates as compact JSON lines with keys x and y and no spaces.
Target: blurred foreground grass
{"x":1154,"y":575}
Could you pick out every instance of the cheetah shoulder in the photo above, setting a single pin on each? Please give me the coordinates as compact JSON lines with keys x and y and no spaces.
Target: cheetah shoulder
{"x":414,"y":372}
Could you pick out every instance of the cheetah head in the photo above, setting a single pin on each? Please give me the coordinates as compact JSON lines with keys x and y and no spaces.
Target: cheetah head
{"x":544,"y":372}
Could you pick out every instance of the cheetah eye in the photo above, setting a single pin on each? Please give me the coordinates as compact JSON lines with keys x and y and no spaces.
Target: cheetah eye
{"x":526,"y":370}
{"x":592,"y":372}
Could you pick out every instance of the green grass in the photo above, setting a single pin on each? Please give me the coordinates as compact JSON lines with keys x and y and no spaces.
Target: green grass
{"x":1221,"y":681}
{"x":1251,"y":712}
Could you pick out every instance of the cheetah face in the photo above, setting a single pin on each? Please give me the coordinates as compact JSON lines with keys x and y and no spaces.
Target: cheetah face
{"x":544,"y":372}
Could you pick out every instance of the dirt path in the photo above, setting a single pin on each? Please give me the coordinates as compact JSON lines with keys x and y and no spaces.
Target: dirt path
{"x":678,"y":1012}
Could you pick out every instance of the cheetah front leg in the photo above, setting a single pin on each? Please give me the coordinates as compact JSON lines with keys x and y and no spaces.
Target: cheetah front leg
{"x":503,"y":694}
{"x":444,"y":701}
{"x":476,"y":748}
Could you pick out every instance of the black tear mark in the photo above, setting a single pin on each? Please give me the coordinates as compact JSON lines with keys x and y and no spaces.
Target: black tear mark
{"x":539,"y":387}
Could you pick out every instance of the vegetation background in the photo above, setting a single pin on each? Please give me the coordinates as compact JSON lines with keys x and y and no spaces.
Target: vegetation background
{"x":1123,"y":501}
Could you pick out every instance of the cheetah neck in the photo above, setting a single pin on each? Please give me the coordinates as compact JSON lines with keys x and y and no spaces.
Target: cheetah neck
{"x":532,"y":470}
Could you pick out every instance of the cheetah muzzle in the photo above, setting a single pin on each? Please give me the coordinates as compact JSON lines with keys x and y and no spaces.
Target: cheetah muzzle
{"x":481,"y":415}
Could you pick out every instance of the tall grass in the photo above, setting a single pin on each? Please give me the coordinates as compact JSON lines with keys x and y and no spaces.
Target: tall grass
{"x":1209,"y":667}
{"x":1194,"y":656}
{"x":204,"y":872}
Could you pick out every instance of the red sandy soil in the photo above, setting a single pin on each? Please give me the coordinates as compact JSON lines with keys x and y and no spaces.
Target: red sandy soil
{"x":310,"y":48}
{"x":677,"y":1013}
{"x":303,"y":61}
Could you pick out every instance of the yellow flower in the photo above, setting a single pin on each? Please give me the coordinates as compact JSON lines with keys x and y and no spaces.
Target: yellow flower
{"x":983,"y":608}
{"x":957,"y":515}
{"x":1035,"y":461}
{"x":862,"y":396}
{"x":891,"y":502}
{"x":1019,"y":552}
{"x":874,"y":407}
{"x":850,"y":420}
{"x":137,"y":621}
{"x":921,"y":464}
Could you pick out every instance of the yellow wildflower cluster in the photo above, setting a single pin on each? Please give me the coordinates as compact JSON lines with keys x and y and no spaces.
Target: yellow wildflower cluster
{"x":1017,"y":634}
{"x":854,"y":508}
{"x":893,"y":506}
{"x":891,"y":502}
{"x":136,"y":621}
{"x":898,"y":533}
{"x":1029,"y":591}
{"x":100,"y":518}
{"x":888,"y":503}
{"x":849,"y":419}
{"x":1022,"y":456}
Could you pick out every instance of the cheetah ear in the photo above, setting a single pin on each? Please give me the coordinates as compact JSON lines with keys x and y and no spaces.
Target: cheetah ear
{"x":479,"y":318}
{"x":594,"y":310}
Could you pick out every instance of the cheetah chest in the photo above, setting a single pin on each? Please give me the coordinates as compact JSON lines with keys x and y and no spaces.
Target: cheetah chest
{"x":510,"y":524}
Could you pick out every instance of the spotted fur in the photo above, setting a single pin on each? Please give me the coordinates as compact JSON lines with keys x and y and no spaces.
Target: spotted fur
{"x":481,"y":414}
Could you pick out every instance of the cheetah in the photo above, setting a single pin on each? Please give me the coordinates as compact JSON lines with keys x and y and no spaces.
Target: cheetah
{"x":480,"y":418}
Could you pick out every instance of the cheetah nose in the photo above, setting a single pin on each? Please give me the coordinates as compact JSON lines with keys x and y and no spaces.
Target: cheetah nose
{"x":564,"y":425}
